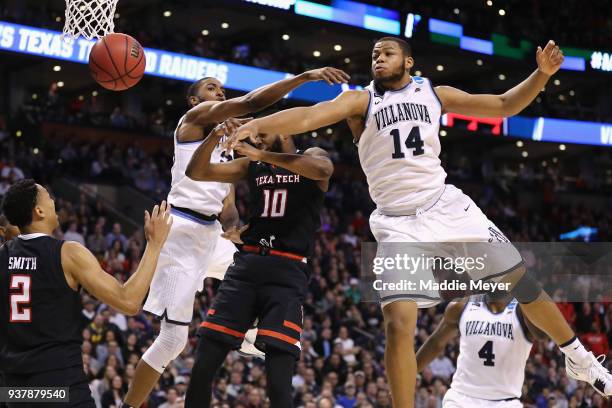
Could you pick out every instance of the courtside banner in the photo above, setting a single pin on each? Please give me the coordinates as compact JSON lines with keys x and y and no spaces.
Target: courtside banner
{"x":430,"y":273}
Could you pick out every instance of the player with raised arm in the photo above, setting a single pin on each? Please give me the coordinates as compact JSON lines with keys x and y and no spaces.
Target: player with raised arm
{"x":494,"y":345}
{"x":40,"y":279}
{"x":193,"y":251}
{"x":268,"y":279}
{"x":395,"y":122}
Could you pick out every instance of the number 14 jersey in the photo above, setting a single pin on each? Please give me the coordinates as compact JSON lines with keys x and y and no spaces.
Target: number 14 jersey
{"x":399,"y":147}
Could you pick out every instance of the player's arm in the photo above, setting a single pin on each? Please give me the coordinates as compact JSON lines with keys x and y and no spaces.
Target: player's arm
{"x":215,"y":112}
{"x":446,"y":330}
{"x":229,"y":214}
{"x":82,"y":268}
{"x":532,"y":332}
{"x":314,"y":164}
{"x":201,"y":169}
{"x":299,"y":120}
{"x":511,"y":102}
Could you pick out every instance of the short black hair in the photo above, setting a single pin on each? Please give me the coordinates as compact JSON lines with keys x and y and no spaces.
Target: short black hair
{"x":405,"y":47}
{"x":193,"y":88}
{"x":19,"y":202}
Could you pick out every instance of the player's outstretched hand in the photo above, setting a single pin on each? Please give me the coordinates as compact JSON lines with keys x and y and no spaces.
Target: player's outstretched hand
{"x":550,"y":58}
{"x":157,"y":224}
{"x":328,"y":74}
{"x":233,"y":234}
{"x":247,"y":150}
{"x":247,"y":131}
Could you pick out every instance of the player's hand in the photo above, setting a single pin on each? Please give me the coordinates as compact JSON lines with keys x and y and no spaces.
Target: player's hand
{"x":249,"y":130}
{"x":228,"y":126}
{"x":233,"y":234}
{"x":328,"y":74}
{"x":248,"y":150}
{"x":157,"y":224}
{"x":550,"y":58}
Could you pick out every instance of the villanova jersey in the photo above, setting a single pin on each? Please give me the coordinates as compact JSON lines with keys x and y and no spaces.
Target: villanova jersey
{"x":39,"y":313}
{"x":399,"y":147}
{"x":493,"y":351}
{"x":284,"y":209}
{"x":204,"y":197}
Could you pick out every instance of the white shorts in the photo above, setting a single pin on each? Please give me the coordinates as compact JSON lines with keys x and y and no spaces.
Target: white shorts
{"x":454,"y":399}
{"x":222,"y":259}
{"x":451,"y":221}
{"x":182,"y":264}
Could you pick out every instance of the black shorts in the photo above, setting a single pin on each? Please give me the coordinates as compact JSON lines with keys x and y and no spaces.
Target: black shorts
{"x":79,"y":393}
{"x":269,"y":288}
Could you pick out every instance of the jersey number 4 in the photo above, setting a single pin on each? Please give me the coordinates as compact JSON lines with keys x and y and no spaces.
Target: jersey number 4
{"x":486,"y":353}
{"x":413,"y":141}
{"x":19,"y":312}
{"x":275,"y":203}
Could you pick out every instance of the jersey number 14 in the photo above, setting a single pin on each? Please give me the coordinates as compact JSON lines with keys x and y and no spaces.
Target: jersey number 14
{"x":413,"y":141}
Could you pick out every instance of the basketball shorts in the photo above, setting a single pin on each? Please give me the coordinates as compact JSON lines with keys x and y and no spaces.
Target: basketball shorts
{"x":452,"y":227}
{"x":74,"y":378}
{"x":268,"y":288}
{"x":221,"y":259}
{"x":181,"y":268}
{"x":454,"y":399}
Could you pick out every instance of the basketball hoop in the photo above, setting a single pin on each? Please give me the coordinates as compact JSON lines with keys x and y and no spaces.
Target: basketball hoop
{"x":89,"y":18}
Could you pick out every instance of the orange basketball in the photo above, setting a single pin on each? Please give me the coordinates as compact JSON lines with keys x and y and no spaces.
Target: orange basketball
{"x":117,"y":61}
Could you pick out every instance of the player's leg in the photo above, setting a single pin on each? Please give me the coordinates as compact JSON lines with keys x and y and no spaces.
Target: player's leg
{"x":280,"y":365}
{"x":400,"y":360}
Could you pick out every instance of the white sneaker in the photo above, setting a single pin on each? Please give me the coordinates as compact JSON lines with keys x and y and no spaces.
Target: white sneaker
{"x":593,"y":372}
{"x":248,"y":349}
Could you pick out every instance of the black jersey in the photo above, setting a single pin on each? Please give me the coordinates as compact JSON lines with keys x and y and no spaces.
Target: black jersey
{"x":284,"y":209}
{"x":39,"y":312}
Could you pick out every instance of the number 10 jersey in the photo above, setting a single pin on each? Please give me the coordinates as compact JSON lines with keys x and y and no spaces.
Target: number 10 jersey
{"x":399,"y":147}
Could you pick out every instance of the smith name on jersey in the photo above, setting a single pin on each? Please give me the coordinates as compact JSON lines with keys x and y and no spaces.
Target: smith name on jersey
{"x":399,"y":147}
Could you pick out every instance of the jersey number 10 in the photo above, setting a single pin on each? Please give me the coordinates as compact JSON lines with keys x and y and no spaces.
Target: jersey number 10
{"x":275,"y":203}
{"x":413,"y":141}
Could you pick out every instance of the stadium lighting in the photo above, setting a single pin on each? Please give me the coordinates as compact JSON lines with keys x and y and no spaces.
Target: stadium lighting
{"x":18,"y":133}
{"x":557,"y":82}
{"x":329,"y":131}
{"x":205,"y":32}
{"x":544,"y":163}
{"x":94,"y":93}
{"x":489,"y":3}
{"x":34,"y":96}
{"x":317,"y":54}
{"x":519,"y":143}
{"x":456,"y":11}
{"x":337,"y":47}
{"x":35,"y":150}
{"x":286,"y":37}
{"x":502,"y":77}
{"x":347,"y":60}
{"x":524,"y":153}
{"x":561,"y":97}
{"x":262,"y":17}
{"x":81,"y":98}
{"x":168,"y":102}
{"x":58,"y":19}
{"x":539,"y":100}
{"x":440,"y":67}
{"x":167,"y":13}
{"x":555,"y":160}
{"x":502,"y":12}
{"x":224,"y":26}
{"x":479,"y":62}
{"x":60,"y":84}
{"x":57,"y":68}
{"x":418,"y":73}
{"x":562,"y":147}
{"x":571,"y":92}
{"x":314,"y":134}
{"x":117,"y":15}
{"x":443,"y":133}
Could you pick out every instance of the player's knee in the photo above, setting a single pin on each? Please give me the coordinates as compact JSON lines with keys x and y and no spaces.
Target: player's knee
{"x":400,"y":319}
{"x":167,"y":346}
{"x":523,"y":286}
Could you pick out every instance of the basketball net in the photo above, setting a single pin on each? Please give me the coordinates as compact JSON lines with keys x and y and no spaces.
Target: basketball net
{"x":89,"y":18}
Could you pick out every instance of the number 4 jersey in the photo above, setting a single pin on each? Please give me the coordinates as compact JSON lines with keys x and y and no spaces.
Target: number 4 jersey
{"x":40,"y":314}
{"x":493,"y":351}
{"x":399,"y":147}
{"x":284,"y":209}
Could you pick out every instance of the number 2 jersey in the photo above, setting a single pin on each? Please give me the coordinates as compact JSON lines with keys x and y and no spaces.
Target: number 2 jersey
{"x":493,"y":352}
{"x":399,"y":147}
{"x":284,"y":209}
{"x":39,"y":313}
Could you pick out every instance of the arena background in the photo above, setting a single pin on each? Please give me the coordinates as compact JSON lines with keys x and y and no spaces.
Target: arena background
{"x":543,"y":176}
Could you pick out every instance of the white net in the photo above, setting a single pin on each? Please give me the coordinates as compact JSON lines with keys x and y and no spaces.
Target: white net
{"x":89,"y":18}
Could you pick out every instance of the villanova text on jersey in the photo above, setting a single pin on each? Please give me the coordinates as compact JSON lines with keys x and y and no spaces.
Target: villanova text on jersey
{"x":401,"y":112}
{"x":482,"y":328}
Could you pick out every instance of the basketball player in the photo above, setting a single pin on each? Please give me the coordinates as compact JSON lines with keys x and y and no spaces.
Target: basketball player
{"x":395,"y":122}
{"x":195,"y":207}
{"x":7,"y":231}
{"x":268,"y":279}
{"x":494,"y":345}
{"x":40,"y":279}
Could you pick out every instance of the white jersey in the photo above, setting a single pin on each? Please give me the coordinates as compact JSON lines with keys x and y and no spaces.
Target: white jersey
{"x":399,"y":147}
{"x":204,"y":197}
{"x":493,"y":352}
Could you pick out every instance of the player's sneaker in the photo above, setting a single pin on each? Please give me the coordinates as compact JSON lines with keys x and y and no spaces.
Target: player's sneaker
{"x":592,"y":371}
{"x":248,"y":349}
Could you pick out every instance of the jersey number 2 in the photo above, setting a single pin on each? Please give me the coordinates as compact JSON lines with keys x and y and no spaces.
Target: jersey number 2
{"x":20,"y":313}
{"x":275,"y":202}
{"x":486,"y":353}
{"x":413,"y":141}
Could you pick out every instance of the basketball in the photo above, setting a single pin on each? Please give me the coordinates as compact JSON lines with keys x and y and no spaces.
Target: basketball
{"x":117,"y":62}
